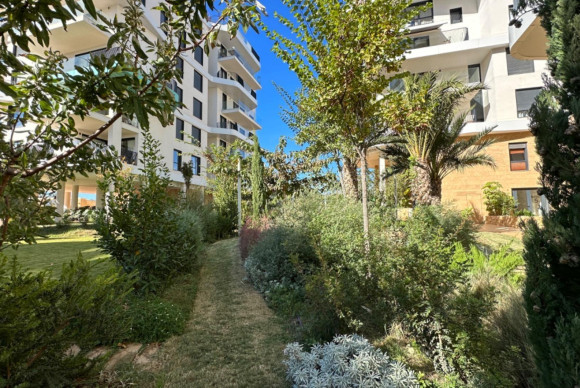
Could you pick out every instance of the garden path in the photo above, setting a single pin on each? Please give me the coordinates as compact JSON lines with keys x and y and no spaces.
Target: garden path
{"x":233,"y":338}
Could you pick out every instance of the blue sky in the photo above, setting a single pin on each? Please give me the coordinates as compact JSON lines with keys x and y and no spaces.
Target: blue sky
{"x":270,"y":102}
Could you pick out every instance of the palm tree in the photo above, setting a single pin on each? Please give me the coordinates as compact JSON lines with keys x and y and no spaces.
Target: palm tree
{"x":426,"y":116}
{"x":187,"y":173}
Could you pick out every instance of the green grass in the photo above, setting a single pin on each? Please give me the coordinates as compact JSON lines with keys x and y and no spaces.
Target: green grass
{"x":494,"y":241}
{"x":58,"y":247}
{"x":232,"y":340}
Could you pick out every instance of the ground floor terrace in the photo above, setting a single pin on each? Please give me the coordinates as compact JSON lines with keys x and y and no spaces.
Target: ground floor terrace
{"x":515,"y":157}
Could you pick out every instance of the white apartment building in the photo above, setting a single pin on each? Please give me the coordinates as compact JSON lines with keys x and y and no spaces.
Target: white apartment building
{"x":469,"y":40}
{"x":218,"y":91}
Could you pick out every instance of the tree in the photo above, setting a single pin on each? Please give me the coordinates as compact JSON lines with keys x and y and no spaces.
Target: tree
{"x":425,"y":115}
{"x":187,"y":173}
{"x":552,"y":253}
{"x":257,"y":180}
{"x":342,"y":52}
{"x":130,"y":79}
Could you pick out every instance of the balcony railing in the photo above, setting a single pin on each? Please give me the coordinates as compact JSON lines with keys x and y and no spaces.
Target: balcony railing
{"x":440,"y":37}
{"x":222,"y":53}
{"x":238,"y":105}
{"x":83,"y":60}
{"x":134,"y":122}
{"x":129,"y":156}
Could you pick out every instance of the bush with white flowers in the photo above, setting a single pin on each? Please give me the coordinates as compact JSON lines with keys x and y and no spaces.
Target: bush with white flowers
{"x":347,"y":361}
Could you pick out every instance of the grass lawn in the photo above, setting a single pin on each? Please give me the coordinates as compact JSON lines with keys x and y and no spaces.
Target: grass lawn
{"x":58,"y":247}
{"x":232,"y":340}
{"x":494,"y":241}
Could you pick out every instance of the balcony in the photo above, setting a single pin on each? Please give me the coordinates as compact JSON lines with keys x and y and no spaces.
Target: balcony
{"x":241,"y":114}
{"x":228,"y":134}
{"x":234,"y":62}
{"x":240,"y":44}
{"x":529,"y":40}
{"x":81,"y":35}
{"x":128,"y":156}
{"x":132,"y":122}
{"x":234,"y":89}
{"x":438,"y":37}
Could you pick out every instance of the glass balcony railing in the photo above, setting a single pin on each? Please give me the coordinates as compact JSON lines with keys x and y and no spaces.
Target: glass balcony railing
{"x":223,"y":53}
{"x":134,"y":122}
{"x":238,"y":105}
{"x":129,"y":156}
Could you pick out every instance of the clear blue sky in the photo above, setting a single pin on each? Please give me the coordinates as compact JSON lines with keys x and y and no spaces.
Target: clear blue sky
{"x":270,"y":102}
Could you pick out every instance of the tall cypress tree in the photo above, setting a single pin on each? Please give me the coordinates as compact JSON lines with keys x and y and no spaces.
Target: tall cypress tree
{"x":552,"y":289}
{"x":257,"y":180}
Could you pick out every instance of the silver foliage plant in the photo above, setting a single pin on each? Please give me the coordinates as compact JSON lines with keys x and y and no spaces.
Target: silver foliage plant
{"x":347,"y":361}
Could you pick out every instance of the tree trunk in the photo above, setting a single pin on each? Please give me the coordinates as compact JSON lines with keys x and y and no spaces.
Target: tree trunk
{"x":349,"y":178}
{"x":365,"y":205}
{"x":424,"y":190}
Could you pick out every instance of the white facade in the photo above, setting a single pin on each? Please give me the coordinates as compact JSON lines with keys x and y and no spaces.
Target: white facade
{"x":218,"y":91}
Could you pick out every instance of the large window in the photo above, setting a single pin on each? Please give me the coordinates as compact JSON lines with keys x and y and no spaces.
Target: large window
{"x":176,"y":160}
{"x":456,"y":15}
{"x":518,"y":66}
{"x":518,"y":156}
{"x":524,"y":100}
{"x":420,"y":41}
{"x":179,"y":65}
{"x":197,"y":108}
{"x":198,"y":81}
{"x":196,"y":163}
{"x":474,"y":73}
{"x":240,"y":80}
{"x":179,"y":129}
{"x":424,"y":17}
{"x":223,"y":143}
{"x":477,"y":111}
{"x":198,"y":55}
{"x":223,"y":122}
{"x":196,"y":133}
{"x":179,"y":92}
{"x":528,"y":199}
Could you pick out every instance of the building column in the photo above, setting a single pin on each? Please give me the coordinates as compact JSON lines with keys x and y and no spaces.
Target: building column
{"x":67,"y":202}
{"x":100,"y":200}
{"x":74,"y":197}
{"x":382,"y":171}
{"x":114,"y":135}
{"x":60,"y":193}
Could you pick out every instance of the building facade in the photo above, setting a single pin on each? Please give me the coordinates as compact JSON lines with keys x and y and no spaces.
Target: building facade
{"x":470,"y":40}
{"x":218,"y":92}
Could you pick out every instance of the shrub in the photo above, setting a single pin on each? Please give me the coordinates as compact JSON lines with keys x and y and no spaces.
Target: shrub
{"x":250,"y":234}
{"x":497,"y":203}
{"x":144,"y":231}
{"x":502,"y":263}
{"x":43,"y":319}
{"x":154,"y":319}
{"x":347,"y":361}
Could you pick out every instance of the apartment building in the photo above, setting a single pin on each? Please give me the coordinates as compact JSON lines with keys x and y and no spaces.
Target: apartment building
{"x":218,"y":91}
{"x":470,"y":40}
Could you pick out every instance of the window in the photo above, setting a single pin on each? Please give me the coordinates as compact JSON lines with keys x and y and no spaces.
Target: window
{"x":182,"y":41}
{"x":233,"y":125}
{"x":179,"y":65}
{"x":518,"y":156}
{"x":477,"y":112}
{"x":223,"y":122}
{"x":240,"y":80}
{"x":144,"y":3}
{"x":518,"y":66}
{"x":524,"y":100}
{"x":224,"y":101}
{"x":163,"y":20}
{"x":421,"y":41}
{"x":179,"y":93}
{"x":222,"y":73}
{"x":198,"y":55}
{"x":424,"y":17}
{"x":528,"y":199}
{"x":456,"y":15}
{"x":397,"y":85}
{"x":198,"y":81}
{"x":176,"y":160}
{"x":179,"y":129}
{"x":474,"y":73}
{"x":223,"y":144}
{"x":196,"y":164}
{"x":196,"y":133}
{"x":197,"y":108}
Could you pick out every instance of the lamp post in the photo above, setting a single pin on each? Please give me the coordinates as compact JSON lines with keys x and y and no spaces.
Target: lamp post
{"x":239,"y":194}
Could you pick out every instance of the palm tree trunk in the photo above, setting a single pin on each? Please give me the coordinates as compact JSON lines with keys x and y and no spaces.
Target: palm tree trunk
{"x":424,"y":190}
{"x":349,"y":178}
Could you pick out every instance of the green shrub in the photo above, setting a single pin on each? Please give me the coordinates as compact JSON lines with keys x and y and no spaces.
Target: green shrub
{"x":154,"y":319}
{"x":144,"y":231}
{"x":43,"y":318}
{"x":502,"y":263}
{"x":347,"y":361}
{"x":497,"y":203}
